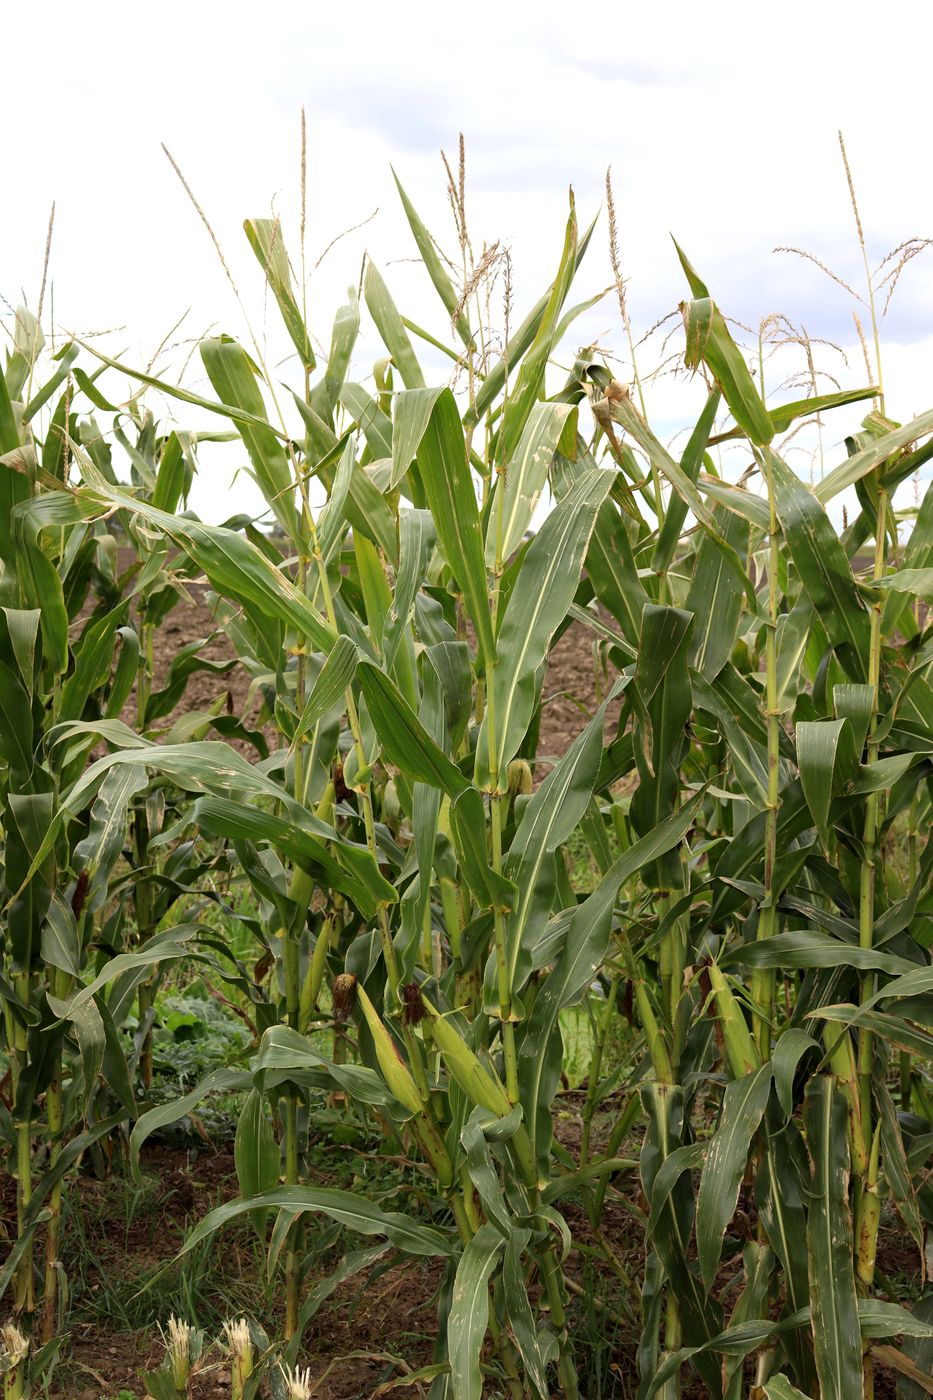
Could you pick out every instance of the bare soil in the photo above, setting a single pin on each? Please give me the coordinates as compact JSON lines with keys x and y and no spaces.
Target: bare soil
{"x":572,"y":690}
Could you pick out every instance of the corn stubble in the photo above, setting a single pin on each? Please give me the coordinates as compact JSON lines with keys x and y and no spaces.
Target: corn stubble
{"x":752,"y":917}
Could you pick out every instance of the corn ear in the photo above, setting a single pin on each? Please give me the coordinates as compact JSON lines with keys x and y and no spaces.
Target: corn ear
{"x":740,"y":1048}
{"x":394,"y":1070}
{"x":481,"y":1087}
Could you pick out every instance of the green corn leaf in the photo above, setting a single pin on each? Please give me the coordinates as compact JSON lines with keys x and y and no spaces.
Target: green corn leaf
{"x":65,"y":358}
{"x":235,"y":567}
{"x":523,"y":478}
{"x":690,"y":464}
{"x":236,"y":414}
{"x":827,"y":758}
{"x":287,"y":1057}
{"x":413,"y":411}
{"x":740,"y":501}
{"x":833,"y":1300}
{"x":521,"y":1316}
{"x":538,"y":603}
{"x":620,"y":409}
{"x":652,"y":1313}
{"x":92,"y":657}
{"x":404,"y":738}
{"x":747,"y":757}
{"x":552,"y":815}
{"x":611,"y":568}
{"x":233,"y":784}
{"x":354,"y":872}
{"x":919,"y":1350}
{"x":790,"y":1049}
{"x":389,"y":325}
{"x":880,"y":1319}
{"x":266,"y":240}
{"x":780,"y":1388}
{"x":824,"y":569}
{"x":175,"y":469}
{"x":572,"y":1181}
{"x":218,"y":1081}
{"x":916,"y":582}
{"x":885,"y":772}
{"x":806,"y":949}
{"x":417,"y":538}
{"x":896,"y":1167}
{"x":700,"y":1316}
{"x":376,"y":425}
{"x":903,"y":1035}
{"x":540,"y":1053}
{"x":88,"y":1028}
{"x":758,"y":1262}
{"x":678,"y":1162}
{"x":870,"y":458}
{"x":23,"y":627}
{"x":451,"y":496}
{"x":743,"y":1105}
{"x":344,"y":332}
{"x":16,"y":736}
{"x":356,"y":1262}
{"x":482,"y":1171}
{"x":233,"y":377}
{"x":855,"y":703}
{"x":715,"y":594}
{"x":329,"y":687}
{"x":468,"y":1319}
{"x":780,"y":1192}
{"x":352,"y":1211}
{"x":909,"y":984}
{"x":489,"y":888}
{"x":737,"y":1341}
{"x":434,"y":266}
{"x":165,"y":947}
{"x":709,"y":342}
{"x":333,"y":521}
{"x":784,"y":414}
{"x":662,"y":690}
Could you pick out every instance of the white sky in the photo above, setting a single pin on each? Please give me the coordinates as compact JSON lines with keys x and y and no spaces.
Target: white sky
{"x":719,"y":121}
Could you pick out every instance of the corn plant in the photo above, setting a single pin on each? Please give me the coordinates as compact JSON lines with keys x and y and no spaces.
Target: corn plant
{"x":183,"y":1347}
{"x":405,"y":847}
{"x":70,"y":656}
{"x":447,"y":731}
{"x":794,"y":885}
{"x":56,"y":667}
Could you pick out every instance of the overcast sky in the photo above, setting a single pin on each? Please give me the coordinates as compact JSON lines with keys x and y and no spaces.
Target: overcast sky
{"x":719,"y":122}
